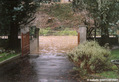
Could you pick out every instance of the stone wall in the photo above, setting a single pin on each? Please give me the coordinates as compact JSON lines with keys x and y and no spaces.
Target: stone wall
{"x":33,"y":45}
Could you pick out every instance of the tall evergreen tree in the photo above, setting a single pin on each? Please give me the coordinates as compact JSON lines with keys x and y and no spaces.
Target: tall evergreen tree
{"x":13,"y":14}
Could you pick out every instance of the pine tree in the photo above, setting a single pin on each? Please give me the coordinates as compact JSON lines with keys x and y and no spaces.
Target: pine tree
{"x":13,"y":14}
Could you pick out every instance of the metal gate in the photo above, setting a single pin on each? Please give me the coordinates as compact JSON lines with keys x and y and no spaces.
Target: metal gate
{"x":25,"y":44}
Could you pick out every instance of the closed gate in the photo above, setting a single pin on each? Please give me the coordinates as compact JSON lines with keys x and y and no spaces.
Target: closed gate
{"x":25,"y":44}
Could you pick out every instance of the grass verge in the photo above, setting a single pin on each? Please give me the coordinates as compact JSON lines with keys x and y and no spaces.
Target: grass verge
{"x":48,"y":32}
{"x":110,"y":74}
{"x":5,"y":56}
{"x":115,"y":54}
{"x":115,"y":71}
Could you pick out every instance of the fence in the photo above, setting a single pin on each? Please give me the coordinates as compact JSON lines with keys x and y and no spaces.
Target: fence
{"x":85,"y":34}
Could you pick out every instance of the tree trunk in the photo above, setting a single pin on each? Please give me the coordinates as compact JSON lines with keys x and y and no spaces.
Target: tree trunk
{"x":104,"y":34}
{"x":13,"y":37}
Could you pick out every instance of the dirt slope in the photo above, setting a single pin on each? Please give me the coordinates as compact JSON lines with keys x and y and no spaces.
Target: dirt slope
{"x":57,"y":16}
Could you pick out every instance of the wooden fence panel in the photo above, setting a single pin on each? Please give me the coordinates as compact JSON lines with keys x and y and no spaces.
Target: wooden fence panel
{"x":25,"y":44}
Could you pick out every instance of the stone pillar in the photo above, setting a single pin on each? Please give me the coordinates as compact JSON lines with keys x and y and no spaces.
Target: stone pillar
{"x":37,"y":36}
{"x":82,"y":34}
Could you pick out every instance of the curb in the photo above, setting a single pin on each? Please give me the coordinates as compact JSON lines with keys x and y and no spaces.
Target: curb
{"x":10,"y":59}
{"x":10,"y":63}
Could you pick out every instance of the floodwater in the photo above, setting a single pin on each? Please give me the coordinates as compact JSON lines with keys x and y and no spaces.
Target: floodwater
{"x":57,"y":44}
{"x":52,"y":64}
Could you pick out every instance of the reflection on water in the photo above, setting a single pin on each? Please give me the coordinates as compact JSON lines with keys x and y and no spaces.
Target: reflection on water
{"x":56,"y":44}
{"x":51,"y":66}
{"x":21,"y":72}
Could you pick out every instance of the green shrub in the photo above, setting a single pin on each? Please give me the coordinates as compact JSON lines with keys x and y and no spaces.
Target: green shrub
{"x":44,"y":32}
{"x":64,"y":32}
{"x":91,"y":57}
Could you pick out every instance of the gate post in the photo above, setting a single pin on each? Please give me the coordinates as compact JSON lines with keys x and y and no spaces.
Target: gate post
{"x":78,"y":37}
{"x":82,"y":34}
{"x":25,"y":41}
{"x":37,"y":36}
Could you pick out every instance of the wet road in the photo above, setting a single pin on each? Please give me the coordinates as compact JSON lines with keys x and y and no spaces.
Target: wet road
{"x":52,"y":64}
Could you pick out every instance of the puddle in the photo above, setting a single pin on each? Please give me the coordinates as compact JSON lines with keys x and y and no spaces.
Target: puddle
{"x":50,"y":66}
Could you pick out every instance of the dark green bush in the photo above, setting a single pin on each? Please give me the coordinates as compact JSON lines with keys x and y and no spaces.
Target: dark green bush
{"x":91,"y":57}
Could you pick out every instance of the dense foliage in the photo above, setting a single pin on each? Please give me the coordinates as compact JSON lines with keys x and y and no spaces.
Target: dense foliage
{"x":105,"y":14}
{"x":90,"y":57}
{"x":106,"y":11}
{"x":13,"y":14}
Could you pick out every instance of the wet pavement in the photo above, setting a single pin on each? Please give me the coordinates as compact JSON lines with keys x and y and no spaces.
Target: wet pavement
{"x":50,"y":65}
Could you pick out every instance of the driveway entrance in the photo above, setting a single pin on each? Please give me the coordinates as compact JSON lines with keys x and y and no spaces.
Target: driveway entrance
{"x":52,"y":64}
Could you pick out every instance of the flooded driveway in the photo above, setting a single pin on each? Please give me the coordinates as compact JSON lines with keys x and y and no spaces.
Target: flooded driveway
{"x":57,"y":44}
{"x":52,"y":64}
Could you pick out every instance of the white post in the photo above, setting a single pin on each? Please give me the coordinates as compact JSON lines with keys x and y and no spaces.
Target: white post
{"x":82,"y":32}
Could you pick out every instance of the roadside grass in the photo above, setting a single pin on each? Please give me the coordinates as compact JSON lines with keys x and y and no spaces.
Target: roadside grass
{"x":115,"y":54}
{"x":114,"y":73}
{"x":44,"y":32}
{"x":65,"y":32}
{"x":110,"y":74}
{"x":5,"y":56}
